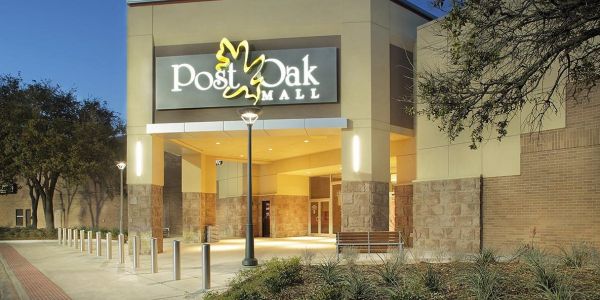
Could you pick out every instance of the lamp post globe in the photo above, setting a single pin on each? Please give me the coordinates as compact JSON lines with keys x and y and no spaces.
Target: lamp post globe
{"x":249,"y":115}
{"x":121,"y":166}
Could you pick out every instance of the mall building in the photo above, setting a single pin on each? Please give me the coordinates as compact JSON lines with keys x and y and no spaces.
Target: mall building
{"x":335,"y":148}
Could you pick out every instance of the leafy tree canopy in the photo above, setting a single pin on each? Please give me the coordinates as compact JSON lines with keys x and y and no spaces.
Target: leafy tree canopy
{"x":46,"y":134}
{"x":500,"y":53}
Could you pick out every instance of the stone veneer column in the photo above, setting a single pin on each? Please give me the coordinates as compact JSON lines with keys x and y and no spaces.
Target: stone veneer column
{"x":365,"y":206}
{"x":145,"y":212}
{"x":403,"y":197}
{"x":446,"y":215}
{"x":198,"y":195}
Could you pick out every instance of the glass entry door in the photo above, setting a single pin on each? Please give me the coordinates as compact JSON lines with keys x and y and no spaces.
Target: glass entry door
{"x":319,"y":217}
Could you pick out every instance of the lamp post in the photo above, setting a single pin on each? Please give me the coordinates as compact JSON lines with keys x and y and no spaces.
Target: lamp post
{"x":249,"y":116}
{"x":121,"y":165}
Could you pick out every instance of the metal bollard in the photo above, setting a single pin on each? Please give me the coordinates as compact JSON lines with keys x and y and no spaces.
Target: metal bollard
{"x":89,"y":242}
{"x":81,"y":240}
{"x":121,"y":250}
{"x":59,"y":232}
{"x":108,"y":246}
{"x":136,"y":252}
{"x":64,"y":236}
{"x":98,"y":243}
{"x":75,"y":238}
{"x":154,"y":255}
{"x":69,"y":236}
{"x":205,"y":266}
{"x":176,"y":261}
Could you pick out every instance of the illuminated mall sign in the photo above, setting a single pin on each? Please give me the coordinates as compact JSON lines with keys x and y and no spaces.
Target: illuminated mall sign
{"x":235,"y":76}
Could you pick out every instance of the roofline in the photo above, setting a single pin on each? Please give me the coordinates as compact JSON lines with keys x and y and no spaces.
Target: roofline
{"x":404,"y":3}
{"x":415,"y":9}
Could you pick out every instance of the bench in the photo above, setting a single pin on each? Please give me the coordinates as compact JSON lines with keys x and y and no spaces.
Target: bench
{"x":369,"y":242}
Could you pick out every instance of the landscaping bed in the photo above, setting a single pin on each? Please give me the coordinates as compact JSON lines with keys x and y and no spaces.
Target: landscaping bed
{"x":27,"y":233}
{"x":529,"y":274}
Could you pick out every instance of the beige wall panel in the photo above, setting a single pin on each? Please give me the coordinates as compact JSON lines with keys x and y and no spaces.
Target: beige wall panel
{"x":206,"y":22}
{"x":292,"y":185}
{"x":432,"y":163}
{"x":403,"y":147}
{"x":502,"y":158}
{"x":139,"y":20}
{"x":356,"y":10}
{"x":191,"y":173}
{"x":380,"y":73}
{"x":140,"y":63}
{"x":463,"y":161}
{"x":356,"y":70}
{"x":402,"y":24}
{"x":406,"y":169}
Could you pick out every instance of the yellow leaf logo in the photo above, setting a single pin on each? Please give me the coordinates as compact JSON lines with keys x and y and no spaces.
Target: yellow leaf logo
{"x":223,"y":62}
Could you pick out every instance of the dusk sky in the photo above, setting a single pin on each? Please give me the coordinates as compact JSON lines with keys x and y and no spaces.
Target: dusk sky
{"x":77,"y":44}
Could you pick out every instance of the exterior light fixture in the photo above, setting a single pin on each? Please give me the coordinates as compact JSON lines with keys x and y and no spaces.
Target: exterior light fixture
{"x":121,"y":166}
{"x":249,"y":115}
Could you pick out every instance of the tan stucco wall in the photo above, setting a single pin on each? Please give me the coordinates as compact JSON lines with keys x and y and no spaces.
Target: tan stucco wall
{"x":437,"y":158}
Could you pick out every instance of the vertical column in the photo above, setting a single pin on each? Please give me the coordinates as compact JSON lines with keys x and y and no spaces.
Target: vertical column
{"x":198,"y":187}
{"x":145,"y":153}
{"x":366,"y":90}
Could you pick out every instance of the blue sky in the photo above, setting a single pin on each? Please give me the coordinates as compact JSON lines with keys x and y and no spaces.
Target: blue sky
{"x":78,"y":44}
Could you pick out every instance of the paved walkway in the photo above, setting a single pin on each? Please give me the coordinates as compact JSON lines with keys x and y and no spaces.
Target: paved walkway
{"x":31,"y":266}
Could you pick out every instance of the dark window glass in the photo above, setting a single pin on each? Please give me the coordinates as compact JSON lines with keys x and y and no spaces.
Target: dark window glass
{"x":19,"y":219}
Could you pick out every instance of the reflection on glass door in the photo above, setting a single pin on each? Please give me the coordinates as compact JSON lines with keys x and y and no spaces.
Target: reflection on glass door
{"x":314,"y":217}
{"x":319,"y":217}
{"x":325,"y":217}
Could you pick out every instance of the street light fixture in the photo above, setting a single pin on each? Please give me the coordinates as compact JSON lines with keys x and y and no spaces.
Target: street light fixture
{"x":121,"y":165}
{"x":249,"y":115}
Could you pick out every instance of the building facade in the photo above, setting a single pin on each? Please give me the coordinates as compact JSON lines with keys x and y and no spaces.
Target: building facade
{"x":334,"y":149}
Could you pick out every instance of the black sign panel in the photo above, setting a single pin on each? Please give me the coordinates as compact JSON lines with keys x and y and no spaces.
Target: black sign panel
{"x":291,"y":76}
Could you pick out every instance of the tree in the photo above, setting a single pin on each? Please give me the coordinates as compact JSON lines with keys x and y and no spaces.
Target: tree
{"x":97,"y":148}
{"x":42,"y":145}
{"x":499,"y":54}
{"x":47,"y":137}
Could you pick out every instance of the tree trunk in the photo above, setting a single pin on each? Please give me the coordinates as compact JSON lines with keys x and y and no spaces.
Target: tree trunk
{"x":35,"y":200}
{"x":49,"y":207}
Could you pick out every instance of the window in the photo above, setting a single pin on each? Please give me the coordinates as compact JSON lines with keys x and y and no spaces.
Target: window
{"x":23,"y":217}
{"x":20,"y":218}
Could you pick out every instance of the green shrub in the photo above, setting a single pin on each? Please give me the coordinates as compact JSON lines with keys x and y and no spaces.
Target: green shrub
{"x":327,"y":292}
{"x":578,"y":256}
{"x":279,"y":274}
{"x":408,"y":288}
{"x":27,"y":233}
{"x":389,"y":271}
{"x":329,"y":271}
{"x":548,"y":281}
{"x":485,"y":257}
{"x":358,"y":287}
{"x":432,"y":279}
{"x":483,"y":282}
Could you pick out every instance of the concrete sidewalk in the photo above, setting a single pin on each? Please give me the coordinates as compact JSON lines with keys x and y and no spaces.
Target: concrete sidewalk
{"x":83,"y":276}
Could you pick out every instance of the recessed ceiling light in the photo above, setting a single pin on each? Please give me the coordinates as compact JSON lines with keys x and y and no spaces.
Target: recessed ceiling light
{"x":270,"y":149}
{"x":218,"y":143}
{"x":306,"y":141}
